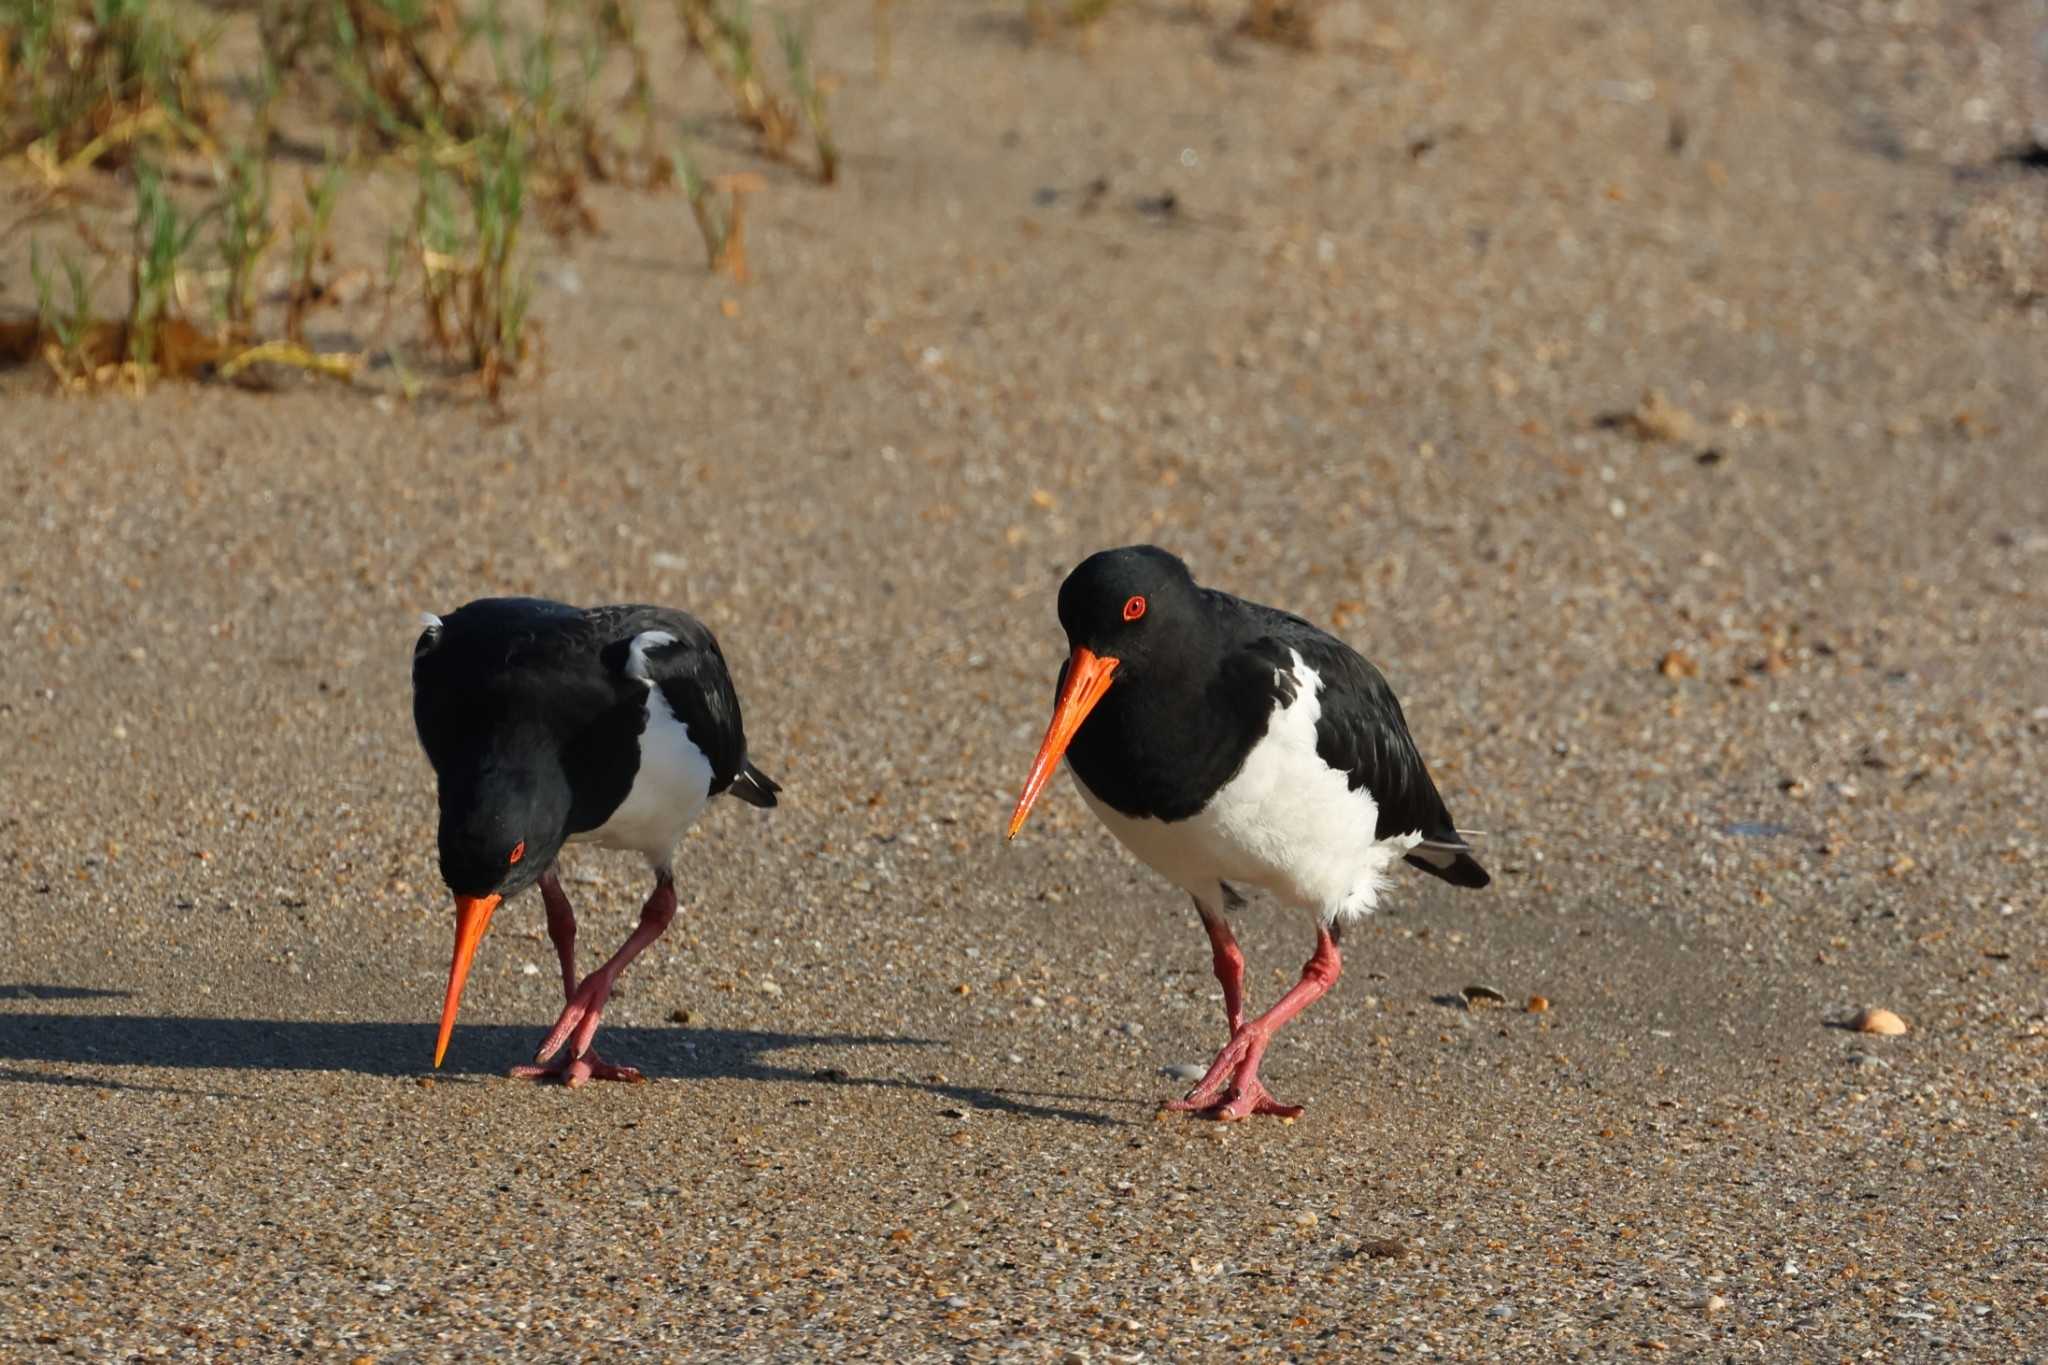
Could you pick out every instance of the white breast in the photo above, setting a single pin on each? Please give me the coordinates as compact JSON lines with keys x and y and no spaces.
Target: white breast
{"x":673,"y":783}
{"x":1287,"y":821}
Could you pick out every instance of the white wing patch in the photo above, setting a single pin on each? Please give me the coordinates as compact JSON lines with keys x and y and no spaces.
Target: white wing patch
{"x":1287,"y":821}
{"x":636,"y":656}
{"x":673,"y":782}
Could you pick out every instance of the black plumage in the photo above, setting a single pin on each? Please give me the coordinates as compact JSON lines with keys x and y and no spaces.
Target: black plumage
{"x":1200,"y":676}
{"x":1223,"y":741}
{"x":547,"y":724}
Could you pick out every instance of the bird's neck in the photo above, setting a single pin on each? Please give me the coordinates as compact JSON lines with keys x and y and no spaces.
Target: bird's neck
{"x":1157,"y":744}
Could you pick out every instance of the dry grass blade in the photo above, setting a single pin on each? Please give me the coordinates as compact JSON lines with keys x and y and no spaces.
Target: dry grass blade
{"x":726,"y":38}
{"x":1291,"y":23}
{"x":810,"y":96}
{"x":1048,"y":18}
{"x":42,"y":154}
{"x":732,"y":253}
{"x":335,"y":365}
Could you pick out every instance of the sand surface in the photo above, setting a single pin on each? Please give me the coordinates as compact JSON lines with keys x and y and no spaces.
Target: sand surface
{"x":1383,"y":361}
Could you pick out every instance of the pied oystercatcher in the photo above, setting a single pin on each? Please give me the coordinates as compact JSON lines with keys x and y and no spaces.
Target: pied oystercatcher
{"x":550,"y":724}
{"x":1223,"y":741}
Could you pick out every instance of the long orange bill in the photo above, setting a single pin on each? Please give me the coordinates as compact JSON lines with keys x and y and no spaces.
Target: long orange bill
{"x":472,"y":917}
{"x":1088,"y":676}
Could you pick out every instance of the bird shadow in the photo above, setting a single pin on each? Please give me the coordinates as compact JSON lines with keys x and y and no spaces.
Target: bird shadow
{"x":15,"y":1076}
{"x":32,"y":990}
{"x":401,"y":1049}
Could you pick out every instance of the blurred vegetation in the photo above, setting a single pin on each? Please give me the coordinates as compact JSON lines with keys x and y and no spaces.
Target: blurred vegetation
{"x":196,"y":152}
{"x":224,"y":136}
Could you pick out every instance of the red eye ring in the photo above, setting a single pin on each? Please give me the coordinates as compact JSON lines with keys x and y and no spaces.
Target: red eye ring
{"x":1134,"y":608}
{"x":518,"y":851}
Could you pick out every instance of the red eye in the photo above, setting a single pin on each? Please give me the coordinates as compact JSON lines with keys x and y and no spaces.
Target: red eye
{"x":518,"y":851}
{"x":1134,"y":608}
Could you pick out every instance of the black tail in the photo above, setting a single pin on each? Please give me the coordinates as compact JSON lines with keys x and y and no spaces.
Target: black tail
{"x":754,"y":787}
{"x":1453,"y":862}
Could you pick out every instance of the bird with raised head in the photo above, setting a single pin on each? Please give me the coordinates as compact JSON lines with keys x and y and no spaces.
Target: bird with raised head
{"x":548,"y":725}
{"x":1223,"y":742}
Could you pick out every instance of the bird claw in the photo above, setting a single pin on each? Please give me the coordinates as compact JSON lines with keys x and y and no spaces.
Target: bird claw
{"x":1243,"y":1102}
{"x":1209,"y":1090}
{"x":1232,"y":1089}
{"x":579,"y":1019}
{"x":575,"y":1071}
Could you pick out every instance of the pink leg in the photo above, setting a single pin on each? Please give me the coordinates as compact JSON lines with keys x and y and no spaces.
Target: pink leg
{"x":1232,"y":1089}
{"x":1229,"y":963}
{"x":579,"y":1019}
{"x":562,"y":929}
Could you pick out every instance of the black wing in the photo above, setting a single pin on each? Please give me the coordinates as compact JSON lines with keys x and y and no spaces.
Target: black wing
{"x":512,"y":687}
{"x":690,"y":671}
{"x":1362,"y":733}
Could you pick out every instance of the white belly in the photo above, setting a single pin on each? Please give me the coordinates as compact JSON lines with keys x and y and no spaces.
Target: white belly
{"x":669,"y":790}
{"x":1287,"y":822}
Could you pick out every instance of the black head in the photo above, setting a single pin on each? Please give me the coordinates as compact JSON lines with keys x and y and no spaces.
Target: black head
{"x":505,"y":799}
{"x":1128,"y":613}
{"x":502,"y":824}
{"x":1131,"y":604}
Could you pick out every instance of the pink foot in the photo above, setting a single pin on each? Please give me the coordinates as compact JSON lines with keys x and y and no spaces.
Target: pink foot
{"x":574,"y":1071}
{"x":1248,"y":1098}
{"x":1232,"y":1089}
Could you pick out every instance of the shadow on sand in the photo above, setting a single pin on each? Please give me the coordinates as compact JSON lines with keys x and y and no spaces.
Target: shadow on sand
{"x":384,"y":1049}
{"x":34,"y":990}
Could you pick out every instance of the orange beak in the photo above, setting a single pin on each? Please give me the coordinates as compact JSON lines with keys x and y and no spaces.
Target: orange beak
{"x":472,"y":917}
{"x":1088,"y":676}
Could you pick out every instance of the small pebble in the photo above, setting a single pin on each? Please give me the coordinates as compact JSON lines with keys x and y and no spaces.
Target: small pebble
{"x":1678,"y":664}
{"x":1483,"y":994}
{"x":1501,"y":1311}
{"x":679,"y":1016}
{"x":1865,"y":1060}
{"x":1184,"y":1071}
{"x":1537,"y":1004}
{"x":1714,"y":1303}
{"x":1880,"y":1021}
